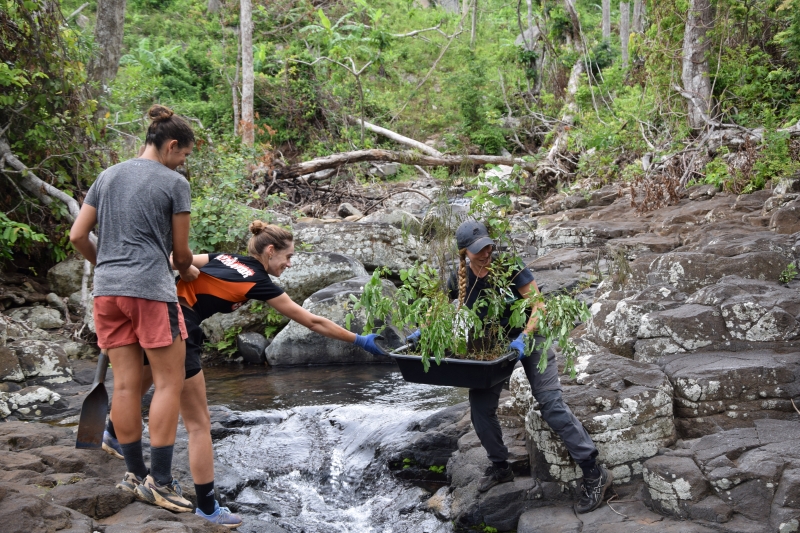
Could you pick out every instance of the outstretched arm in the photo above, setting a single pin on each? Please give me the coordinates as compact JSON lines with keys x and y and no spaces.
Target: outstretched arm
{"x":285,"y":306}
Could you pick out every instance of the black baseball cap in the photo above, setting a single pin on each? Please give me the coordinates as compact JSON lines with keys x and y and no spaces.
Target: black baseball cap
{"x":473,"y":236}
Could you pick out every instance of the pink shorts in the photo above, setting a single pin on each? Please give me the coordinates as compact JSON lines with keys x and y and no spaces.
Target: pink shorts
{"x":123,"y":320}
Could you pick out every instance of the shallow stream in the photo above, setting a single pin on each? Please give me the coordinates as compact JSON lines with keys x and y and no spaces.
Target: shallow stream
{"x":318,"y":462}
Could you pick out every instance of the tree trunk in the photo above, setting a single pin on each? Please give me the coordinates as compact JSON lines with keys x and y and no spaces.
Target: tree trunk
{"x":237,"y":116}
{"x":396,"y":137}
{"x":108,"y":32}
{"x":624,"y":30}
{"x":638,"y":14}
{"x":606,"y":20}
{"x":246,"y":28}
{"x":213,"y":6}
{"x":575,"y":35}
{"x":694,"y":73}
{"x":473,"y":33}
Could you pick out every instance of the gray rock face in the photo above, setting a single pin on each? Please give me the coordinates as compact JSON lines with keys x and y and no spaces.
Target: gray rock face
{"x":395,"y":217}
{"x":374,"y":245}
{"x":38,"y":316}
{"x":736,"y":477}
{"x":312,"y":272}
{"x":298,"y":345}
{"x":65,"y":277}
{"x":583,"y":234}
{"x":625,"y":406}
{"x":722,"y":390}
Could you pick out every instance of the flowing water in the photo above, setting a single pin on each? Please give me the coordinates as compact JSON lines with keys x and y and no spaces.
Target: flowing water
{"x":317,"y":464}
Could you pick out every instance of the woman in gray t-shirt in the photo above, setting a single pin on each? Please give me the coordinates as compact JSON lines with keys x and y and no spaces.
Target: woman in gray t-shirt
{"x":141,"y":209}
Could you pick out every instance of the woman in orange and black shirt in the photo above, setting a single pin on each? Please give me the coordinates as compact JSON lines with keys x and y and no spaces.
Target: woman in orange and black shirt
{"x":222,"y":284}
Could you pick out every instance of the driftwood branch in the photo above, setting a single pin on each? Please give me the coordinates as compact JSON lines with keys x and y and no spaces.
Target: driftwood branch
{"x":404,"y":157}
{"x":396,"y":137}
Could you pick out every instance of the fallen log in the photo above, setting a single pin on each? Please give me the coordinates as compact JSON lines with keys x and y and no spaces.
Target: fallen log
{"x":396,"y":137}
{"x":391,"y":156}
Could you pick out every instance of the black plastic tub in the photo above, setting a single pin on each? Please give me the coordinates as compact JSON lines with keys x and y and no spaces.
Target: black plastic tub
{"x":456,"y":372}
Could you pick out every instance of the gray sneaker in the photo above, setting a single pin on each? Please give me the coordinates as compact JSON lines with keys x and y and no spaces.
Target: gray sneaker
{"x":222,"y":516}
{"x":494,"y":476}
{"x":167,"y":496}
{"x":129,"y":483}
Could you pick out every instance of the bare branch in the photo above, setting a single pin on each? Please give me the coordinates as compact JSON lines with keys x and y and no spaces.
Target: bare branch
{"x":416,"y":32}
{"x":389,"y":134}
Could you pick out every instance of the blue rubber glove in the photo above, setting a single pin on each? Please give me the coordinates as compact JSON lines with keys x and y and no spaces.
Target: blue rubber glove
{"x":518,"y":344}
{"x":368,"y":343}
{"x":413,"y":339}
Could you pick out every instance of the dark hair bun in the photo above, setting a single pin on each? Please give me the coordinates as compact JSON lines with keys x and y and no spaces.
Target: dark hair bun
{"x":157,"y":113}
{"x":257,"y":227}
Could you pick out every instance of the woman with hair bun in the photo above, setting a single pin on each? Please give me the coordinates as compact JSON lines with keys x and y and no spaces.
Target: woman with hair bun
{"x":222,"y":283}
{"x":141,"y":208}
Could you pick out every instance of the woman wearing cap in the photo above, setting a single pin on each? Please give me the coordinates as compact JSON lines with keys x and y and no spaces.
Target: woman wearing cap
{"x":475,"y":254}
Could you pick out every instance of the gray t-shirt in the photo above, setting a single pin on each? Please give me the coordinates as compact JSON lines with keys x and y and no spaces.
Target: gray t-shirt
{"x":135,"y":201}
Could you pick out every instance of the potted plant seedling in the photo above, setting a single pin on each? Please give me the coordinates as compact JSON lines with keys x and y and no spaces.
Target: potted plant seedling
{"x":469,"y":344}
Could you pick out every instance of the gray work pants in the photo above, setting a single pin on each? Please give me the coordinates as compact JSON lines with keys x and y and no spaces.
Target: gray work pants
{"x":547,"y":391}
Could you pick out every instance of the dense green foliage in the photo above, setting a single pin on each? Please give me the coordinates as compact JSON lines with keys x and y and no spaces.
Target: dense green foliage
{"x":314,"y":66}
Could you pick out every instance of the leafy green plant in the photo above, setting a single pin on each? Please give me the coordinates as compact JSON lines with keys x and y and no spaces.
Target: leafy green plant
{"x":788,"y":274}
{"x":437,"y":469}
{"x":226,"y":346}
{"x":556,"y":319}
{"x":16,"y":235}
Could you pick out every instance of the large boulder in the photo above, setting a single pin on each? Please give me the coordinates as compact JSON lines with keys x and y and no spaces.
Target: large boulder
{"x":42,"y":361}
{"x":66,"y":277}
{"x":298,"y":345}
{"x":375,"y":245}
{"x":251,"y":316}
{"x":38,"y":316}
{"x":625,"y":406}
{"x":311,"y":272}
{"x":744,"y":478}
{"x":395,"y":217}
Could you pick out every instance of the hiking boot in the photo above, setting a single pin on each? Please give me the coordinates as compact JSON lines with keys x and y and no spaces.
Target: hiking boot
{"x":129,"y":483}
{"x":111,"y":445}
{"x":167,"y":496}
{"x":495,"y":475}
{"x":593,"y":491}
{"x":222,"y":516}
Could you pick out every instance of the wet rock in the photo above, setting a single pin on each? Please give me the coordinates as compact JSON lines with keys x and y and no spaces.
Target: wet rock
{"x":439,"y":504}
{"x":38,"y":316}
{"x":251,"y":347}
{"x":142,"y":518}
{"x":42,"y":361}
{"x":298,"y":345}
{"x":65,"y":277}
{"x":374,"y":245}
{"x":312,"y":272}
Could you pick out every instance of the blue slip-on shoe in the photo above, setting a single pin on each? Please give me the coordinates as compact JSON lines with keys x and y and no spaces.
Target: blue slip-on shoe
{"x":221,"y":516}
{"x":111,"y":445}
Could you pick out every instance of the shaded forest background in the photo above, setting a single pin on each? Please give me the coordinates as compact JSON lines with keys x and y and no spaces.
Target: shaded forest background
{"x":665,"y":94}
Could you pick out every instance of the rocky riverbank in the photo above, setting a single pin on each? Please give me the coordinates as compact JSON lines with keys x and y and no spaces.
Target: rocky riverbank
{"x":687,"y":374}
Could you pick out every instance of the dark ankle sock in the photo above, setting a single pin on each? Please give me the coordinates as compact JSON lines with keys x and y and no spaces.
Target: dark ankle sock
{"x":161,"y":464}
{"x":134,"y":460}
{"x":205,"y":497}
{"x":110,"y":428}
{"x":501,"y":464}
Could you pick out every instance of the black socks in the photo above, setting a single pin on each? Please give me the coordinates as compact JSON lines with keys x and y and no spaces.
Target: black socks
{"x":502,"y":465}
{"x":134,"y":460}
{"x":161,"y":464}
{"x":591,"y":471}
{"x":110,"y":428}
{"x":206,"y":501}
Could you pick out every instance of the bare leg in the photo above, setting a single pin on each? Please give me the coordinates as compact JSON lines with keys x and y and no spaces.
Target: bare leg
{"x":194,"y":411}
{"x":126,"y":408}
{"x":167,"y":365}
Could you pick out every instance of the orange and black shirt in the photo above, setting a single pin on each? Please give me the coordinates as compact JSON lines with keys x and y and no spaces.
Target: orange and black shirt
{"x":225,"y":283}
